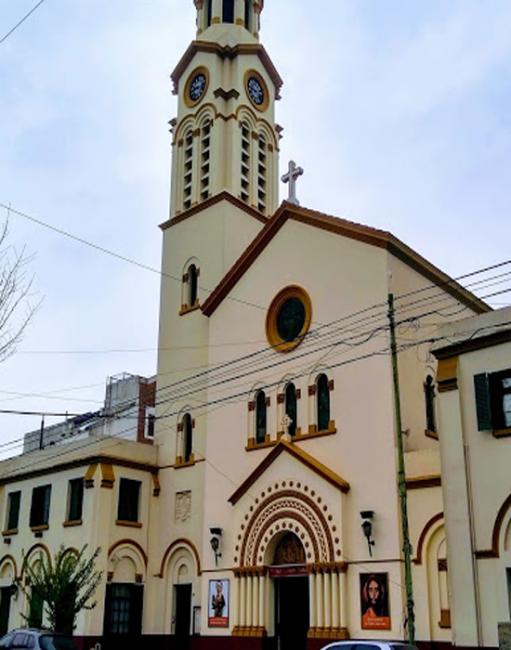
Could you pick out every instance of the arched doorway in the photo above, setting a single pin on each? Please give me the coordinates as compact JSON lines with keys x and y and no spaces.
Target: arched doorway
{"x":291,"y":588}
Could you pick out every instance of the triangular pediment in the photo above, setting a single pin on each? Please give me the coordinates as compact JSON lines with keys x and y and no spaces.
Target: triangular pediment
{"x":284,"y":447}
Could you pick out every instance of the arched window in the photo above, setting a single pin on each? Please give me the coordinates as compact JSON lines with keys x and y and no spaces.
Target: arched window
{"x":228,"y":11}
{"x":429,"y":398}
{"x":322,"y":403}
{"x":245,"y":162}
{"x":262,"y":175}
{"x":205,"y":142}
{"x":209,"y":12}
{"x":188,"y":170}
{"x":248,"y":14}
{"x":192,"y":285}
{"x":260,"y":417}
{"x":187,"y":438}
{"x":291,"y":408}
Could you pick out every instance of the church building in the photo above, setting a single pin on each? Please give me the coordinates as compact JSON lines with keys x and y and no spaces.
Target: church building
{"x":280,"y":519}
{"x":296,"y":452}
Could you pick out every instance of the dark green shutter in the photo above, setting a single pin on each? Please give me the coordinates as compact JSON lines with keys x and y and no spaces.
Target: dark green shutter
{"x":483,"y":405}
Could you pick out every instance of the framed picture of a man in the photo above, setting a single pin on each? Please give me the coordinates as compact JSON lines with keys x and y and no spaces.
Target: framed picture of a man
{"x":218,"y":603}
{"x":374,"y":601}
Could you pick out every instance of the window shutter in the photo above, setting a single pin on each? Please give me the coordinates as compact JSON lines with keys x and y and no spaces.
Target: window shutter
{"x":483,"y":407}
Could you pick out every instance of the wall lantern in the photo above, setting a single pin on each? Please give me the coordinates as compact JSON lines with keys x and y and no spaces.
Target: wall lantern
{"x":367,"y":528}
{"x":216,"y":533}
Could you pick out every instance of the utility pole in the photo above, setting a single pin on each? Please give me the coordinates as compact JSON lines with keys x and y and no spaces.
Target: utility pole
{"x":403,"y":498}
{"x":41,"y":434}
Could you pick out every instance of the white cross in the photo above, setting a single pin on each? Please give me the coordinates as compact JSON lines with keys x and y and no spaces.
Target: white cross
{"x":291,"y":177}
{"x":286,"y":423}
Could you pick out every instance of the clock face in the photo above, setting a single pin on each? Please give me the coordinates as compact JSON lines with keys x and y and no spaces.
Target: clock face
{"x":197,"y":87}
{"x":255,"y":91}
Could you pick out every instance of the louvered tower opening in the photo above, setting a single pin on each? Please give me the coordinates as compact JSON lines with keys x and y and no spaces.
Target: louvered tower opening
{"x":205,"y":160}
{"x":245,"y":163}
{"x":188,"y":171}
{"x":262,"y":175}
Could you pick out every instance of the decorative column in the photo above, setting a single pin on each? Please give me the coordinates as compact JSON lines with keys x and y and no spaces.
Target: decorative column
{"x":249,"y":621}
{"x":196,"y":166}
{"x":262,"y":586}
{"x":319,"y":601}
{"x":312,"y":603}
{"x":255,"y":601}
{"x":335,"y":601}
{"x":327,"y":600}
{"x":217,"y":12}
{"x":243,"y":601}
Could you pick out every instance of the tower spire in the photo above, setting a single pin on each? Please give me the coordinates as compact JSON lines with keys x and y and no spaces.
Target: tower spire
{"x":225,"y":138}
{"x":239,"y":16}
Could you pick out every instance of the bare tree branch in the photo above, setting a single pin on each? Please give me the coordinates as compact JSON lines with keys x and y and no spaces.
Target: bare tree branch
{"x":17,"y":308}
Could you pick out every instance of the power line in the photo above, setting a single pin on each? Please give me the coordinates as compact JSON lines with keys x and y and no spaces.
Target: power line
{"x":21,"y":21}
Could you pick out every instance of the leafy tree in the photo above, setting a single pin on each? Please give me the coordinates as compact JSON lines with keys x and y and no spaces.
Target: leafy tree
{"x":64,"y":585}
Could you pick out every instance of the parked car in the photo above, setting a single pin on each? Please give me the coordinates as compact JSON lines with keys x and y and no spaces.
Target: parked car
{"x":368,"y":645}
{"x":36,"y":640}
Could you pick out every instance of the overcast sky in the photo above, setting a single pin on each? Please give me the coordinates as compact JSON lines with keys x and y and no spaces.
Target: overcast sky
{"x":398,"y":111}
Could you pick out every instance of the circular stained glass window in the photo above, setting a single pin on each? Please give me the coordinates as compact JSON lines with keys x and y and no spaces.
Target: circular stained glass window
{"x":288,"y":318}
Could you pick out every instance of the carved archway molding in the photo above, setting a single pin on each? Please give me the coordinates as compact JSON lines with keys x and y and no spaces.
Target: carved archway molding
{"x":9,"y":559}
{"x":31,"y":551}
{"x":176,"y":544}
{"x":428,"y":528}
{"x":288,"y":507}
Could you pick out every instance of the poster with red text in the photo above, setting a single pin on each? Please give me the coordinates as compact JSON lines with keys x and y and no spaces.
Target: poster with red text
{"x":218,"y":603}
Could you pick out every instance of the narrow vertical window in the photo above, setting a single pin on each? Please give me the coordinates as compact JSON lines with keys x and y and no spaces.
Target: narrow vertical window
{"x":262,"y":175}
{"x":188,"y":170}
{"x":40,"y":508}
{"x":75,"y":500}
{"x":13,"y":510}
{"x":248,"y":14}
{"x":429,"y":398}
{"x":205,"y":160}
{"x":228,"y":11}
{"x":322,"y":403}
{"x":209,"y":12}
{"x":192,"y":285}
{"x":187,"y":433}
{"x":291,"y":408}
{"x":261,"y":417}
{"x":245,"y":162}
{"x":129,"y":500}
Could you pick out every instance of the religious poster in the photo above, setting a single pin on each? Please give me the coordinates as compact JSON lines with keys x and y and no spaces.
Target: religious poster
{"x":374,"y":600}
{"x":218,"y":603}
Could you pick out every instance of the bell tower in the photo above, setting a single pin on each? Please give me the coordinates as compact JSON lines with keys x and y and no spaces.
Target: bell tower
{"x":225,"y":138}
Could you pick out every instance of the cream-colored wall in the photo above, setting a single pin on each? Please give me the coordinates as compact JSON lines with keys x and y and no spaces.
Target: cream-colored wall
{"x":362,"y":451}
{"x":98,"y":528}
{"x":417,"y":363}
{"x":476,"y":483}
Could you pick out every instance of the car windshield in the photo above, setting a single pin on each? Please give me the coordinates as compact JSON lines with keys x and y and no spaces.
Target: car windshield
{"x":56,"y":642}
{"x":402,"y":646}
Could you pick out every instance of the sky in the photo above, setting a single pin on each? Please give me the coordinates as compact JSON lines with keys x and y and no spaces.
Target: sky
{"x":398,"y":112}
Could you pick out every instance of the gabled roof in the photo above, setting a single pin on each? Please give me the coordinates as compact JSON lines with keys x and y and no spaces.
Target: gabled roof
{"x":226,"y":51}
{"x":345,"y":228}
{"x":309,"y":461}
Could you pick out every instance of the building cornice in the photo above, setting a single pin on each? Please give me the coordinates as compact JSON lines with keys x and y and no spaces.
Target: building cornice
{"x":84,"y":461}
{"x":227,"y":52}
{"x":345,"y":228}
{"x":213,"y":200}
{"x":473,"y":344}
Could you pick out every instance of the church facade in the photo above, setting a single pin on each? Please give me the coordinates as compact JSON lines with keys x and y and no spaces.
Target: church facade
{"x":282,"y":439}
{"x":268,"y":513}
